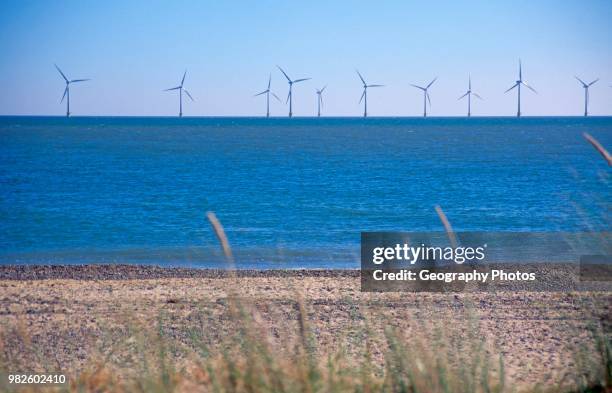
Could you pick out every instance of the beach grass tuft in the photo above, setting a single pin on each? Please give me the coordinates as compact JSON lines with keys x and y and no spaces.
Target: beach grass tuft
{"x":599,"y":147}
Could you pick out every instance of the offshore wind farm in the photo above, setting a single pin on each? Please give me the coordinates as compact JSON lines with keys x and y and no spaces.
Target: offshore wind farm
{"x":226,"y":70}
{"x":363,"y":98}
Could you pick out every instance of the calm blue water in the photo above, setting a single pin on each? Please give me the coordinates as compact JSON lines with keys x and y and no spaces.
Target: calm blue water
{"x":290,"y":192}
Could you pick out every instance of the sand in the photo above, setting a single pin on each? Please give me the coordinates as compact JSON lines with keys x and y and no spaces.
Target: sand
{"x":68,"y":317}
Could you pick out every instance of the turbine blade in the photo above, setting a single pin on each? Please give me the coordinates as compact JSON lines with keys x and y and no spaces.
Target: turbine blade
{"x":60,"y":71}
{"x":269,"y":81}
{"x":301,"y":80}
{"x":375,"y":85}
{"x":324,"y":87}
{"x":263,"y":92}
{"x":79,"y":80}
{"x":592,"y":83}
{"x":529,"y":87}
{"x":284,"y":73}
{"x":477,"y":96}
{"x":463,"y":95}
{"x":418,"y":87}
{"x":275,"y":96}
{"x":321,"y":98}
{"x":64,"y":96}
{"x":428,"y":99}
{"x":581,"y":81}
{"x":513,"y":86}
{"x":183,"y":80}
{"x":188,"y":95}
{"x":361,"y":77}
{"x":362,"y":95}
{"x":520,"y":70}
{"x":432,"y":82}
{"x":173,"y":88}
{"x":288,"y":95}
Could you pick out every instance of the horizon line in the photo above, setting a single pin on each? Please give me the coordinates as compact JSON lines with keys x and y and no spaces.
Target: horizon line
{"x":307,"y":117}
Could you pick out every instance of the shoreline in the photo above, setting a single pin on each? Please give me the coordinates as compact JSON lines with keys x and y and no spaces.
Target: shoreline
{"x":550,"y":277}
{"x":144,"y":272}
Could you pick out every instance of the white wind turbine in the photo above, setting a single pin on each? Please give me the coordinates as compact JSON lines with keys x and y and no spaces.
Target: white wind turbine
{"x":67,"y":89}
{"x":586,"y":94}
{"x":267,"y":92}
{"x":426,"y":95}
{"x":518,"y":84}
{"x":320,"y":100}
{"x":290,"y":95}
{"x":469,"y":93}
{"x":364,"y":95}
{"x":181,"y":90}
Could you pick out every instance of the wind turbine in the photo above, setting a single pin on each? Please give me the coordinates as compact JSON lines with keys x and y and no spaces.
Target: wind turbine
{"x":67,"y":89}
{"x":426,"y":95}
{"x":181,"y":89}
{"x":267,"y":92}
{"x":586,"y":94}
{"x":364,"y":95}
{"x":518,"y":84}
{"x":290,"y":95}
{"x":469,"y":93}
{"x":320,"y":100}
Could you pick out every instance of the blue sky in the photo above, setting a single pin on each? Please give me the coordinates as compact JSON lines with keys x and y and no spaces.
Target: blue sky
{"x":135,"y":49}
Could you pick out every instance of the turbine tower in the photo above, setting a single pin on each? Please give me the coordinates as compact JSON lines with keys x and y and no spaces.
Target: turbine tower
{"x":181,"y":90}
{"x":290,"y":95}
{"x":66,"y":94}
{"x":586,"y":94}
{"x":320,"y":100}
{"x":364,"y":95}
{"x":426,"y":95}
{"x":267,"y":92}
{"x":469,"y":93}
{"x":518,"y":84}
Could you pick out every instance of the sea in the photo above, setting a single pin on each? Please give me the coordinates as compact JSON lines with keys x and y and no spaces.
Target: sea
{"x":290,"y":193}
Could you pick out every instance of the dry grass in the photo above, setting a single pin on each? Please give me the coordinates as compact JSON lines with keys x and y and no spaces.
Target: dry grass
{"x":220,"y":233}
{"x":598,"y":146}
{"x":452,"y":238}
